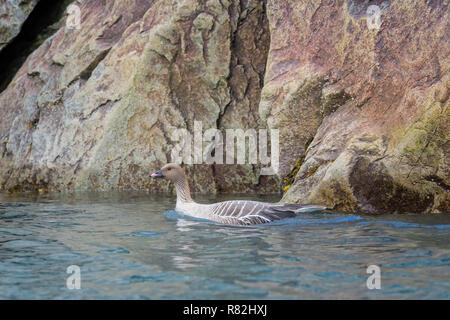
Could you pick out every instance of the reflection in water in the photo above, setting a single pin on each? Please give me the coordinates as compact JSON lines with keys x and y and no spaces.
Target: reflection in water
{"x":133,"y":246}
{"x":183,"y":225}
{"x":185,"y":261}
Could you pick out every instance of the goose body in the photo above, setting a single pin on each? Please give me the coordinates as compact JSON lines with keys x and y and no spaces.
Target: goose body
{"x":234,"y":212}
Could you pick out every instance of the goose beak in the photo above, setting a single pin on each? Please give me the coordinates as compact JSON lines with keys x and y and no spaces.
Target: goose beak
{"x":157,"y":174}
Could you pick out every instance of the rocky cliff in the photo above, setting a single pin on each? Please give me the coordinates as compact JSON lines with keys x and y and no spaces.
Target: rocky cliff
{"x":360,"y":100}
{"x":13,"y":14}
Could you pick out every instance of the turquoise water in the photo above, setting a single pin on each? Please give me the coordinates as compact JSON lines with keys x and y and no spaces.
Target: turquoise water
{"x":134,"y":246}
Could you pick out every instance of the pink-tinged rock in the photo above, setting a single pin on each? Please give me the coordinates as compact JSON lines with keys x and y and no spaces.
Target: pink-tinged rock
{"x":375,"y":102}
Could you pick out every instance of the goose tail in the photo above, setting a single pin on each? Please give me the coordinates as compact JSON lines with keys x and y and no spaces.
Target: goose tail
{"x":312,"y":208}
{"x":300,"y":208}
{"x":281,"y":212}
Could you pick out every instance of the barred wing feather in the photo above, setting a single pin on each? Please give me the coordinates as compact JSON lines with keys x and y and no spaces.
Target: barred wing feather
{"x":240,"y":212}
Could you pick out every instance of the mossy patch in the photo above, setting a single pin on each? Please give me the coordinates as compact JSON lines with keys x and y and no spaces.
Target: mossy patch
{"x":289,"y":178}
{"x":315,"y":167}
{"x":427,"y":137}
{"x":331,"y":102}
{"x":17,"y":188}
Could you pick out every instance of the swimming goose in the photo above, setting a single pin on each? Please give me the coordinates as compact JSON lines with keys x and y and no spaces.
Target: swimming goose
{"x":234,"y":212}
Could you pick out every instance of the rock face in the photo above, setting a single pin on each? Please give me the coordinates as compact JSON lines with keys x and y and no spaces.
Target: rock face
{"x":362,"y":107}
{"x":13,"y":14}
{"x":374,"y":100}
{"x":95,"y":108}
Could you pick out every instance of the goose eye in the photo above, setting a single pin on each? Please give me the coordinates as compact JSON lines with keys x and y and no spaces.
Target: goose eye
{"x":168,"y":169}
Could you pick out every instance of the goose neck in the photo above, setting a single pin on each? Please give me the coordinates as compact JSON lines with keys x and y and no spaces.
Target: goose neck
{"x":183,"y":191}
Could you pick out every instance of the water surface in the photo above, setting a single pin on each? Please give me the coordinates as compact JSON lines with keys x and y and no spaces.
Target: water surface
{"x":133,"y":245}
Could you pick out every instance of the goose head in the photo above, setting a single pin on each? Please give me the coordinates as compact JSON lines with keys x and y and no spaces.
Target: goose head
{"x":171,"y":171}
{"x":175,"y":173}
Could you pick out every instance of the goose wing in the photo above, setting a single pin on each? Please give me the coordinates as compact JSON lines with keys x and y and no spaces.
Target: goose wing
{"x":241,"y":212}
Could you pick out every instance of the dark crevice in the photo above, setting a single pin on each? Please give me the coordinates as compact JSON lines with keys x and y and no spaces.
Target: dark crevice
{"x":86,"y":73}
{"x":39,"y":26}
{"x":440,"y":182}
{"x":249,"y":44}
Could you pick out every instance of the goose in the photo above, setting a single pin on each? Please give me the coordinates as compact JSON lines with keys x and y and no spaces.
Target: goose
{"x":234,"y":212}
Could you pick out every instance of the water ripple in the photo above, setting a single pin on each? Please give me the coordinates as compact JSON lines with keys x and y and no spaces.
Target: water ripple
{"x":131,"y":245}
